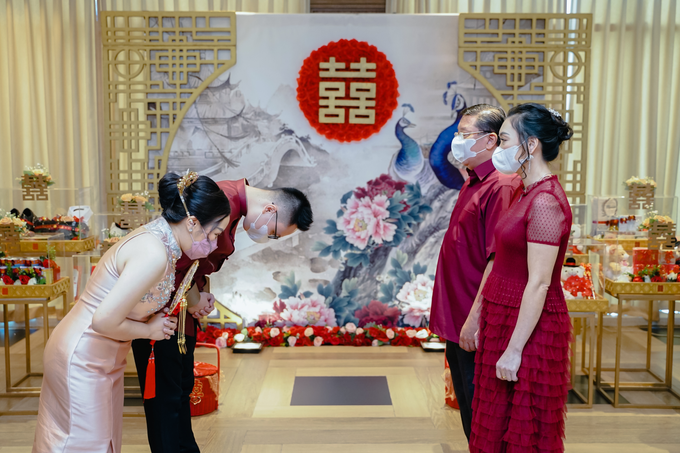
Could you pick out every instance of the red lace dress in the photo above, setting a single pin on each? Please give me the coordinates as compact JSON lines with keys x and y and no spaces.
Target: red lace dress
{"x":527,"y":415}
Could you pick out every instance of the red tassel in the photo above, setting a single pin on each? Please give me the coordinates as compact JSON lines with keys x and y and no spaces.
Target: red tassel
{"x":150,"y":382}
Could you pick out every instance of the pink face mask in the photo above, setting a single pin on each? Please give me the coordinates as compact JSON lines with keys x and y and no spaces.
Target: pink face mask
{"x":201,"y":249}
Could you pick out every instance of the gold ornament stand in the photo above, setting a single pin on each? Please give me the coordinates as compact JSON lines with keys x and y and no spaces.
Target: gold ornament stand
{"x":649,"y":292}
{"x":63,"y":248}
{"x":28,"y":295}
{"x":586,"y":311}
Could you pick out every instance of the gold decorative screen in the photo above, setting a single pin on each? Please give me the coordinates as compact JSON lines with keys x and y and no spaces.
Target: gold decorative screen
{"x":542,"y":58}
{"x":155,"y":64}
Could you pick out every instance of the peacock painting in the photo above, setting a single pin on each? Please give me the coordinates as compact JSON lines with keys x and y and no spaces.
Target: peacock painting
{"x":444,"y":170}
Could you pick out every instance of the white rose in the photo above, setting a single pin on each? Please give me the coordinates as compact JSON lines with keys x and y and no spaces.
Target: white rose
{"x":411,"y":333}
{"x":343,"y":330}
{"x":33,"y":281}
{"x":375,"y":343}
{"x":274,"y":332}
{"x":292,"y":341}
{"x":318,"y":341}
{"x":360,"y":331}
{"x":390,"y":334}
{"x":258,"y":329}
{"x":309,"y":332}
{"x":351,"y":327}
{"x":422,"y":334}
{"x":239,"y":337}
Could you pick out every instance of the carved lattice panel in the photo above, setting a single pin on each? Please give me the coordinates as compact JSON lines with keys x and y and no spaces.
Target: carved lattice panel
{"x":542,"y":58}
{"x":155,"y":66}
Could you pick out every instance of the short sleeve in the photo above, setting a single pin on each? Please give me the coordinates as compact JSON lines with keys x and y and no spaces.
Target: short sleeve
{"x":496,"y":206}
{"x":546,"y":220}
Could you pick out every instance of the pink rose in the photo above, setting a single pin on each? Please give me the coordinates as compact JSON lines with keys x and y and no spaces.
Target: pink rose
{"x":292,"y":341}
{"x":351,"y":327}
{"x":258,"y":329}
{"x":318,"y":341}
{"x":411,"y":333}
{"x":274,"y":332}
{"x":221,"y":343}
{"x":286,"y":329}
{"x":375,"y":343}
{"x":360,"y":331}
{"x":343,"y":330}
{"x":309,"y":332}
{"x":390,"y":334}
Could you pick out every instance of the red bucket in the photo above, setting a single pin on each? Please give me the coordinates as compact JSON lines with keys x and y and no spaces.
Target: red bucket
{"x":205,"y":396}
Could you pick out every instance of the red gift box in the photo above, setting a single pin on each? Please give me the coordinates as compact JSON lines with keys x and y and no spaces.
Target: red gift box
{"x":645,"y":257}
{"x":205,"y":395}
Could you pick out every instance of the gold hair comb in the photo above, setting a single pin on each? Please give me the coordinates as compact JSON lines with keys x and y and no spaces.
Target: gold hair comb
{"x":185,"y":181}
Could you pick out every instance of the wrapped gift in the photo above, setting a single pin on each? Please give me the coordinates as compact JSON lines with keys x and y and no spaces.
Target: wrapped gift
{"x":645,"y":257}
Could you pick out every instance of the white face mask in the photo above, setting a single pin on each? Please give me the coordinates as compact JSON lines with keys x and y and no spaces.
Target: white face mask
{"x":461,"y":148}
{"x":261,"y":234}
{"x":504,"y":160}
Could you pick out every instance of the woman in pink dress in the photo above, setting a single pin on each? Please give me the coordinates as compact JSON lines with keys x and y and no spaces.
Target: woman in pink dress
{"x":522,"y":363}
{"x":81,"y":401}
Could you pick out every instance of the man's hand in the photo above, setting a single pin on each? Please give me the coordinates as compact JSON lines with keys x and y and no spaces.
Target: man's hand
{"x":204,"y":307}
{"x":467,"y":335}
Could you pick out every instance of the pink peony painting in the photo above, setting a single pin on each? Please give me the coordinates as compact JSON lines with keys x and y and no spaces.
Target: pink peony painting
{"x":415,"y":298}
{"x":310,"y":311}
{"x":366,"y":219}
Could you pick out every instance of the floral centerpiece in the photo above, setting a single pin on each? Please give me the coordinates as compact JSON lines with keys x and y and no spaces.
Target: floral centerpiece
{"x":38,"y":170}
{"x":141,"y":199}
{"x":652,"y":218}
{"x":295,"y":336}
{"x":15,"y":275}
{"x":634,"y":180}
{"x":7,"y":218}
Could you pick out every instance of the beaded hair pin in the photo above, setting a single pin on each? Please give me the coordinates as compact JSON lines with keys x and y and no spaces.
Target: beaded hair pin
{"x":185,"y":181}
{"x":554,"y":112}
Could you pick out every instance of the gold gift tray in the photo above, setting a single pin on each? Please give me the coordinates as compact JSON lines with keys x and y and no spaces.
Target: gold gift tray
{"x":625,"y":242}
{"x":587,"y":305}
{"x":35,"y":291}
{"x":62,"y":247}
{"x":616,"y":288}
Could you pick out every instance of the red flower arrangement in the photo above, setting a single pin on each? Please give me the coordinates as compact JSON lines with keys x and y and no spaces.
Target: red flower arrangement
{"x":347,"y":51}
{"x":297,"y":336}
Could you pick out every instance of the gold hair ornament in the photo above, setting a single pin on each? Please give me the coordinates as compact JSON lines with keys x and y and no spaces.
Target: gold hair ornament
{"x":185,"y":181}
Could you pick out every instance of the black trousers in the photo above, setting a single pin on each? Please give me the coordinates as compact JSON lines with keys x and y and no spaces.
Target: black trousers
{"x":168,"y":415}
{"x":462,"y":365}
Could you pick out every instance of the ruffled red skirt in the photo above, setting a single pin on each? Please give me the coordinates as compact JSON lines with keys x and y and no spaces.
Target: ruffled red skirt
{"x":527,"y":415}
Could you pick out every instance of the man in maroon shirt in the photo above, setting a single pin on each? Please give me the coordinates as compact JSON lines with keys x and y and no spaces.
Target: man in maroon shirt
{"x":467,"y":252}
{"x":267,"y":214}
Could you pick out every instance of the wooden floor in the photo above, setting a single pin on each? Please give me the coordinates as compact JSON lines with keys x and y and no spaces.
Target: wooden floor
{"x":255,"y":415}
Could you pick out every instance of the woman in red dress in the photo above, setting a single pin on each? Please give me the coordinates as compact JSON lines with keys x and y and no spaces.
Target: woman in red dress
{"x":522,"y":364}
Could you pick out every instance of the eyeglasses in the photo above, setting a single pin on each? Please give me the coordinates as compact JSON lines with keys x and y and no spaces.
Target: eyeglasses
{"x":276,"y":225}
{"x":464,"y":134}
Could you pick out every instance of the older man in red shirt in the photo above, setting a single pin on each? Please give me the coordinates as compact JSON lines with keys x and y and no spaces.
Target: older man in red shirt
{"x":267,"y":214}
{"x":467,"y":252}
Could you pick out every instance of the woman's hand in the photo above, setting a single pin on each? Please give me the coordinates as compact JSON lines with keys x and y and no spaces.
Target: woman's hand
{"x":508,"y":365}
{"x":160,"y":327}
